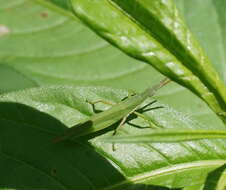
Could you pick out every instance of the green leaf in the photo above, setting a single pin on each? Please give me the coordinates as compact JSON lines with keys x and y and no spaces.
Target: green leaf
{"x":38,"y":57}
{"x":33,"y":118}
{"x":168,"y":46}
{"x":60,"y":62}
{"x":17,"y":80}
{"x":29,"y":159}
{"x":210,"y":34}
{"x":45,"y":69}
{"x":172,"y":135}
{"x":77,"y":57}
{"x":216,"y":179}
{"x":198,"y":186}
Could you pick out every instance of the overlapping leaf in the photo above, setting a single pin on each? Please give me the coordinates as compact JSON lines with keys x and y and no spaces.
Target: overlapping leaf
{"x":36,"y":160}
{"x":77,"y":56}
{"x":216,"y":179}
{"x":152,"y":31}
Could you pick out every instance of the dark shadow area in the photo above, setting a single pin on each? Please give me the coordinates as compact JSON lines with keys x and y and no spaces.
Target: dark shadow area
{"x":148,"y":187}
{"x":30,"y":160}
{"x":213,"y":178}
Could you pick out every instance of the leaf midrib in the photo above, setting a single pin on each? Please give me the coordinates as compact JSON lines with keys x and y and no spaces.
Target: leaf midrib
{"x":167,"y":170}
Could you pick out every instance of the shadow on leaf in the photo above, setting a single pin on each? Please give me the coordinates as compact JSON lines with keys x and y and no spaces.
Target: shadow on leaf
{"x":30,"y":160}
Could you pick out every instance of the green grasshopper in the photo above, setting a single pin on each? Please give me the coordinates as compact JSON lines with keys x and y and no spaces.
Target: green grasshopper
{"x":120,"y":111}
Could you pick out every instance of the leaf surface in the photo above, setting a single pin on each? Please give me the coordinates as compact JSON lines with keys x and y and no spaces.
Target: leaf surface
{"x":210,"y":34}
{"x":75,"y":55}
{"x":153,"y":32}
{"x":43,"y":21}
{"x":38,"y":115}
{"x":59,"y":63}
{"x":80,"y":57}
